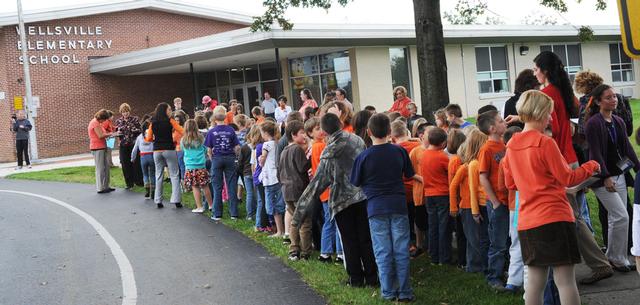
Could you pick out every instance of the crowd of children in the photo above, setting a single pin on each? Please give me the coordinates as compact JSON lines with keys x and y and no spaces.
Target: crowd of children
{"x":386,"y":188}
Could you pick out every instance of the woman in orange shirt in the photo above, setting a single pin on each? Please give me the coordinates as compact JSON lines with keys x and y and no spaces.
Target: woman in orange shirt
{"x":546,"y":226}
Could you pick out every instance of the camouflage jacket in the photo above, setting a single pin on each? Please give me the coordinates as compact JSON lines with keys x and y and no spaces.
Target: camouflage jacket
{"x":334,"y":172}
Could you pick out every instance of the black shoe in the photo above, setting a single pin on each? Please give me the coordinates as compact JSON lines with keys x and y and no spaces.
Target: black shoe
{"x":160,"y":205}
{"x":339,"y":260}
{"x":323,"y":259}
{"x":104,"y":191}
{"x":147,"y":193}
{"x":304,"y":257}
{"x":354,"y":284}
{"x":111,"y":189}
{"x":178,"y":205}
{"x":373,"y":284}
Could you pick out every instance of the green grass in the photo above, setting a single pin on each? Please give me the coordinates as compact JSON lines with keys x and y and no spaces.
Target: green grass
{"x":432,"y":284}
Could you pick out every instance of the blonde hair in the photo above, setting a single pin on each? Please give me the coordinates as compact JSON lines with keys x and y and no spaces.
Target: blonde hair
{"x":124,"y":107}
{"x":455,"y":138}
{"x":192,"y":137}
{"x":253,"y":136}
{"x":400,"y":88}
{"x":399,"y":129}
{"x":241,"y":120}
{"x":219,"y":113}
{"x":534,"y":106}
{"x":471,"y":147}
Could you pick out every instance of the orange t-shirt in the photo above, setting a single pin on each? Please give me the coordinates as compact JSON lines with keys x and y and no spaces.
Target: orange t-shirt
{"x":229,"y":118}
{"x":535,"y":167}
{"x":95,"y":142}
{"x":348,"y":128}
{"x":260,"y":120}
{"x":459,"y":189}
{"x":477,"y":196}
{"x":435,"y":164}
{"x":489,"y":158}
{"x":408,"y":182}
{"x":454,"y":164}
{"x":418,"y":188}
{"x":316,"y":151}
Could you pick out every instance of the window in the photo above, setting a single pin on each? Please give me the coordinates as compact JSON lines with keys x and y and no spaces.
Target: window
{"x":400,"y":75}
{"x":320,"y":74}
{"x":570,"y":56}
{"x":621,"y":64}
{"x":492,"y":70}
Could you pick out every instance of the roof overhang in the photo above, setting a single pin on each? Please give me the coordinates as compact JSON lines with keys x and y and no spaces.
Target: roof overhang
{"x":119,"y":6}
{"x":230,"y":46}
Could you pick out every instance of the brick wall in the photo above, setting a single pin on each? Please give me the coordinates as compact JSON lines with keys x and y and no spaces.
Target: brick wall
{"x":70,"y":95}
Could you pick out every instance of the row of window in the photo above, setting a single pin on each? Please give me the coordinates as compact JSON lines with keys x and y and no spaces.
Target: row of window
{"x":492,"y":70}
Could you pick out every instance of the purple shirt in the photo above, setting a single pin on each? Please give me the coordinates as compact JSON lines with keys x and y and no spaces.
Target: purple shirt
{"x":256,"y":180}
{"x":222,"y":140}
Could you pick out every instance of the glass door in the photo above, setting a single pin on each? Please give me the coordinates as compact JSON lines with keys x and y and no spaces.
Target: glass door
{"x":253,"y":97}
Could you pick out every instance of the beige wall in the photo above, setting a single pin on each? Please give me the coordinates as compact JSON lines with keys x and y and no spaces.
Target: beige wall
{"x":373,"y":73}
{"x":415,"y":78}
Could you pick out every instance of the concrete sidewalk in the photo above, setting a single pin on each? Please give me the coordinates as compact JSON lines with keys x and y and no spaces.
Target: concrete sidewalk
{"x":53,"y":163}
{"x":621,"y":289}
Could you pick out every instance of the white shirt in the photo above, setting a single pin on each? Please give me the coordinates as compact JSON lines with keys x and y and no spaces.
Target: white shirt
{"x":281,"y":114}
{"x":269,"y":106}
{"x":269,"y":174}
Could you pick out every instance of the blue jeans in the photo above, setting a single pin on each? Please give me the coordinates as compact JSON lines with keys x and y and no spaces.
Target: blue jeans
{"x":476,"y":253}
{"x":498,"y":228}
{"x":581,"y":198}
{"x":251,"y":196}
{"x":181,"y":163}
{"x":439,"y":234}
{"x":390,"y":237}
{"x":330,"y":234}
{"x":224,"y":166}
{"x":259,"y":194}
{"x":148,"y":169}
{"x":274,"y":201}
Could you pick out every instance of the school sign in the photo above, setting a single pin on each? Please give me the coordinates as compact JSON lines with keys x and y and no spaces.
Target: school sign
{"x":630,"y":26}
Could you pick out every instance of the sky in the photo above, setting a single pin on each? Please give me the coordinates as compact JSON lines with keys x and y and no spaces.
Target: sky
{"x":380,"y":11}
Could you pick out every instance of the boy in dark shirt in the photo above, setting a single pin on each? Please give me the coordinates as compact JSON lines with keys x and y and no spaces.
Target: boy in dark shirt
{"x":387,"y":207}
{"x":293,"y":174}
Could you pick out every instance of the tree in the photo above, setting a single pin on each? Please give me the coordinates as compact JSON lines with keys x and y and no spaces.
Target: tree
{"x":538,"y":18}
{"x":471,"y":12}
{"x":432,"y":63}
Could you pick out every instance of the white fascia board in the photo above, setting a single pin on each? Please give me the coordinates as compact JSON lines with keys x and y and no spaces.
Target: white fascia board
{"x":104,"y":8}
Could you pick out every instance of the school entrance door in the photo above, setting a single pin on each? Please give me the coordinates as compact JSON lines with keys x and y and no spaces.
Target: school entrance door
{"x":248,"y":95}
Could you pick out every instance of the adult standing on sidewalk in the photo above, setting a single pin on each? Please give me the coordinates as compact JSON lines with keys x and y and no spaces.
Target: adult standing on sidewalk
{"x":21,"y":126}
{"x":164,"y":152}
{"x":269,"y":105}
{"x":98,"y":146}
{"x":129,"y":128}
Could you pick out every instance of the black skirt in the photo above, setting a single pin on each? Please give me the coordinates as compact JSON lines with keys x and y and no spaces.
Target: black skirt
{"x":552,"y":244}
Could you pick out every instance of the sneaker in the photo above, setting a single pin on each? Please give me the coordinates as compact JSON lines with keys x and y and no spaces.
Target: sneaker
{"x":407,"y":300}
{"x":512,"y":289}
{"x":339,"y":260}
{"x":325,"y":259}
{"x":294,"y":257}
{"x":249,"y":218}
{"x":160,"y":205}
{"x":178,"y":205}
{"x":286,"y":240}
{"x":498,"y":286}
{"x":29,"y":166}
{"x":147,"y":193}
{"x":200,"y":210}
{"x":18,"y":168}
{"x":234,"y":217}
{"x":597,"y":275}
{"x":216,"y":218}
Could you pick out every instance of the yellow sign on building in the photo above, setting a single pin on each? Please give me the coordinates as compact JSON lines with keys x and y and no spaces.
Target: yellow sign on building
{"x":18,"y":103}
{"x":630,"y":26}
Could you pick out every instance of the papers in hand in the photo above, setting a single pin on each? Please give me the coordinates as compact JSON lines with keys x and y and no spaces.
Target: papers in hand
{"x":585,"y":184}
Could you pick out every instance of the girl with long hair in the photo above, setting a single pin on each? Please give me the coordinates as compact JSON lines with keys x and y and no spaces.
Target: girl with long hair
{"x":196,"y":176}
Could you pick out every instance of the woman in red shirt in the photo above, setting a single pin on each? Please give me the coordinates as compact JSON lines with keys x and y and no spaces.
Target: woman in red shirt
{"x":546,"y":226}
{"x":401,"y":102}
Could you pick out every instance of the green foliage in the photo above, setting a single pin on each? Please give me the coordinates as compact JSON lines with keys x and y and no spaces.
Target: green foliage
{"x":585,"y":33}
{"x":276,"y":9}
{"x":466,"y":12}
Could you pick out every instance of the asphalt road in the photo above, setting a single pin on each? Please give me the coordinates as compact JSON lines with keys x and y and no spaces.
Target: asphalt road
{"x":51,"y":255}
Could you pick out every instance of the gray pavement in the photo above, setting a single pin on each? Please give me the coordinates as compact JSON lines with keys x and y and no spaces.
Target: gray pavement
{"x":49,"y":255}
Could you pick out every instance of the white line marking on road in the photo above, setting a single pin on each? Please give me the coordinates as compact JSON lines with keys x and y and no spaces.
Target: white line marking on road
{"x":129,"y":290}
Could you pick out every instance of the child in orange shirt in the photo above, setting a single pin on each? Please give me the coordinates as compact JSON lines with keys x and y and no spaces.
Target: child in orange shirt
{"x":330,"y":235}
{"x":474,"y":218}
{"x":435,"y":163}
{"x":400,"y":136}
{"x":492,"y":124}
{"x":418,"y":189}
{"x":455,"y":138}
{"x":535,"y":167}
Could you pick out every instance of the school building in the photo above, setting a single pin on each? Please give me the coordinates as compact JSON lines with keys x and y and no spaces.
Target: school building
{"x":144,"y":52}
